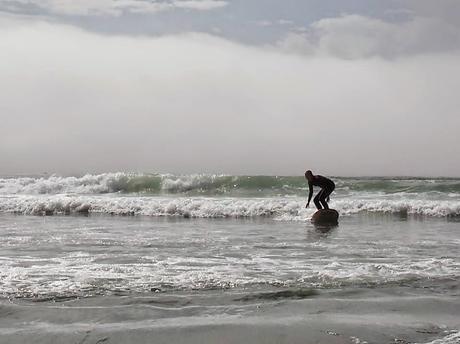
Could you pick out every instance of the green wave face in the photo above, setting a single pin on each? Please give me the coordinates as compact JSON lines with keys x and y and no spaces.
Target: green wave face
{"x":208,"y":185}
{"x":142,"y":183}
{"x":396,"y":185}
{"x":253,"y":186}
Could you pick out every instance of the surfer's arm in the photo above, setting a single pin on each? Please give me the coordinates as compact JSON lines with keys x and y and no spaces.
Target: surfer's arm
{"x":310,"y":194}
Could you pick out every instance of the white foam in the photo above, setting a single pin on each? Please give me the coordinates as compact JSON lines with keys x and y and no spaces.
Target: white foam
{"x":81,"y":273}
{"x":453,"y":338}
{"x":151,"y":206}
{"x":337,"y":272}
{"x":185,"y":183}
{"x":87,"y":184}
{"x":395,"y":206}
{"x":279,"y":208}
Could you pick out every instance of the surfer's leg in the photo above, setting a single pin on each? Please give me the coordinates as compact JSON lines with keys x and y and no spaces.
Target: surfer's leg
{"x":324,"y":195}
{"x":317,"y":199}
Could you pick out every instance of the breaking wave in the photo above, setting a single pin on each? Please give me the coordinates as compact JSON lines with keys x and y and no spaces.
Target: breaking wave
{"x":150,"y":184}
{"x":220,"y":196}
{"x":280,"y":208}
{"x":209,"y":184}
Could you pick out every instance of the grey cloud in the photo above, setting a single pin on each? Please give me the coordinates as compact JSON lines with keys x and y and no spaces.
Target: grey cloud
{"x":200,"y":4}
{"x":74,"y":101}
{"x":355,"y":36}
{"x":236,"y":19}
{"x":446,"y":10}
{"x":108,"y":7}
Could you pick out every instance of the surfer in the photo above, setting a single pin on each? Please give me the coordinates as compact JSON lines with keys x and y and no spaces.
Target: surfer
{"x":326,"y":185}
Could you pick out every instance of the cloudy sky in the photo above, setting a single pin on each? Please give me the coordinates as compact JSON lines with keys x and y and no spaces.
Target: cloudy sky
{"x":363,"y":87}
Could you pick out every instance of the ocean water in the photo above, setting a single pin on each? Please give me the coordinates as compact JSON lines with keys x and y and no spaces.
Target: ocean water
{"x":128,"y":235}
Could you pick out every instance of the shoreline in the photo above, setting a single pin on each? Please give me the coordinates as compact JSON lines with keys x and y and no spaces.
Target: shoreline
{"x":384,"y":315}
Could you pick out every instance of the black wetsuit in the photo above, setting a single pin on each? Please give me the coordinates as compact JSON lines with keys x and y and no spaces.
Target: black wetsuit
{"x":326,"y":185}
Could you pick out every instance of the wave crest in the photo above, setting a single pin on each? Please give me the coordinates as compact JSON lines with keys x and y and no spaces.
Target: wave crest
{"x":214,"y":184}
{"x":287,"y":209}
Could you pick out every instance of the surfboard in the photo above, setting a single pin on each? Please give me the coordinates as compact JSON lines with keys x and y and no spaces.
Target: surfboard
{"x":325,"y":217}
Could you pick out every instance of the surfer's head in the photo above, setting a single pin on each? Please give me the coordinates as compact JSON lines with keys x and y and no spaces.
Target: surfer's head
{"x":309,"y":175}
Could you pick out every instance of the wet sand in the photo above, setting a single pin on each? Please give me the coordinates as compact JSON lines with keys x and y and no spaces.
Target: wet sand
{"x":382,"y":315}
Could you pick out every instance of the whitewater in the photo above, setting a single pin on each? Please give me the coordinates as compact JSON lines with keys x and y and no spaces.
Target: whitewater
{"x":221,"y":196}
